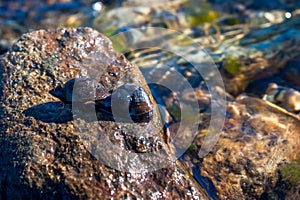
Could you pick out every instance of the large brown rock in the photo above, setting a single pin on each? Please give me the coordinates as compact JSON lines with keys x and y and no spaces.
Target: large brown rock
{"x":48,"y":153}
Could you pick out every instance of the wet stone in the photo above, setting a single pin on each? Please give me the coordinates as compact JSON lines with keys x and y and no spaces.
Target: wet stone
{"x":257,"y":138}
{"x":48,"y":152}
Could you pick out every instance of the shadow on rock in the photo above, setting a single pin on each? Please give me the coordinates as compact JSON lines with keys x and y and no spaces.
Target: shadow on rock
{"x":56,"y":112}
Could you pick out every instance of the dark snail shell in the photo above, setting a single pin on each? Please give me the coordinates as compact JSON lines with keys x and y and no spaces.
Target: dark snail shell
{"x":129,"y":102}
{"x":140,"y":107}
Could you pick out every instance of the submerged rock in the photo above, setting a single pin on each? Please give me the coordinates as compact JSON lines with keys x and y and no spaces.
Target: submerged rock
{"x":258,"y":137}
{"x":47,"y":152}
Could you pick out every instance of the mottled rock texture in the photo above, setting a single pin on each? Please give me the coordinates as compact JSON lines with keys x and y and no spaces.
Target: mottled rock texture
{"x":256,"y":140}
{"x":44,"y":148}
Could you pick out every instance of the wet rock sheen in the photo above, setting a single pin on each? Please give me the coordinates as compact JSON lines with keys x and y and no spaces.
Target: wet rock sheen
{"x":44,"y":152}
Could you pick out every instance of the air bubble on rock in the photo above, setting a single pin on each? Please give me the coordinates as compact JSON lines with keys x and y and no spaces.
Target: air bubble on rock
{"x":97,"y":7}
{"x":288,"y":15}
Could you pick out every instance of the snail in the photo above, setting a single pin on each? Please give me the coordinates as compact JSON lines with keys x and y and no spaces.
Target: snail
{"x":287,"y":98}
{"x":127,"y":103}
{"x":87,"y":89}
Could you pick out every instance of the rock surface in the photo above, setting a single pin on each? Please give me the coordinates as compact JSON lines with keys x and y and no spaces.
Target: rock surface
{"x":46,"y":152}
{"x":257,"y":138}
